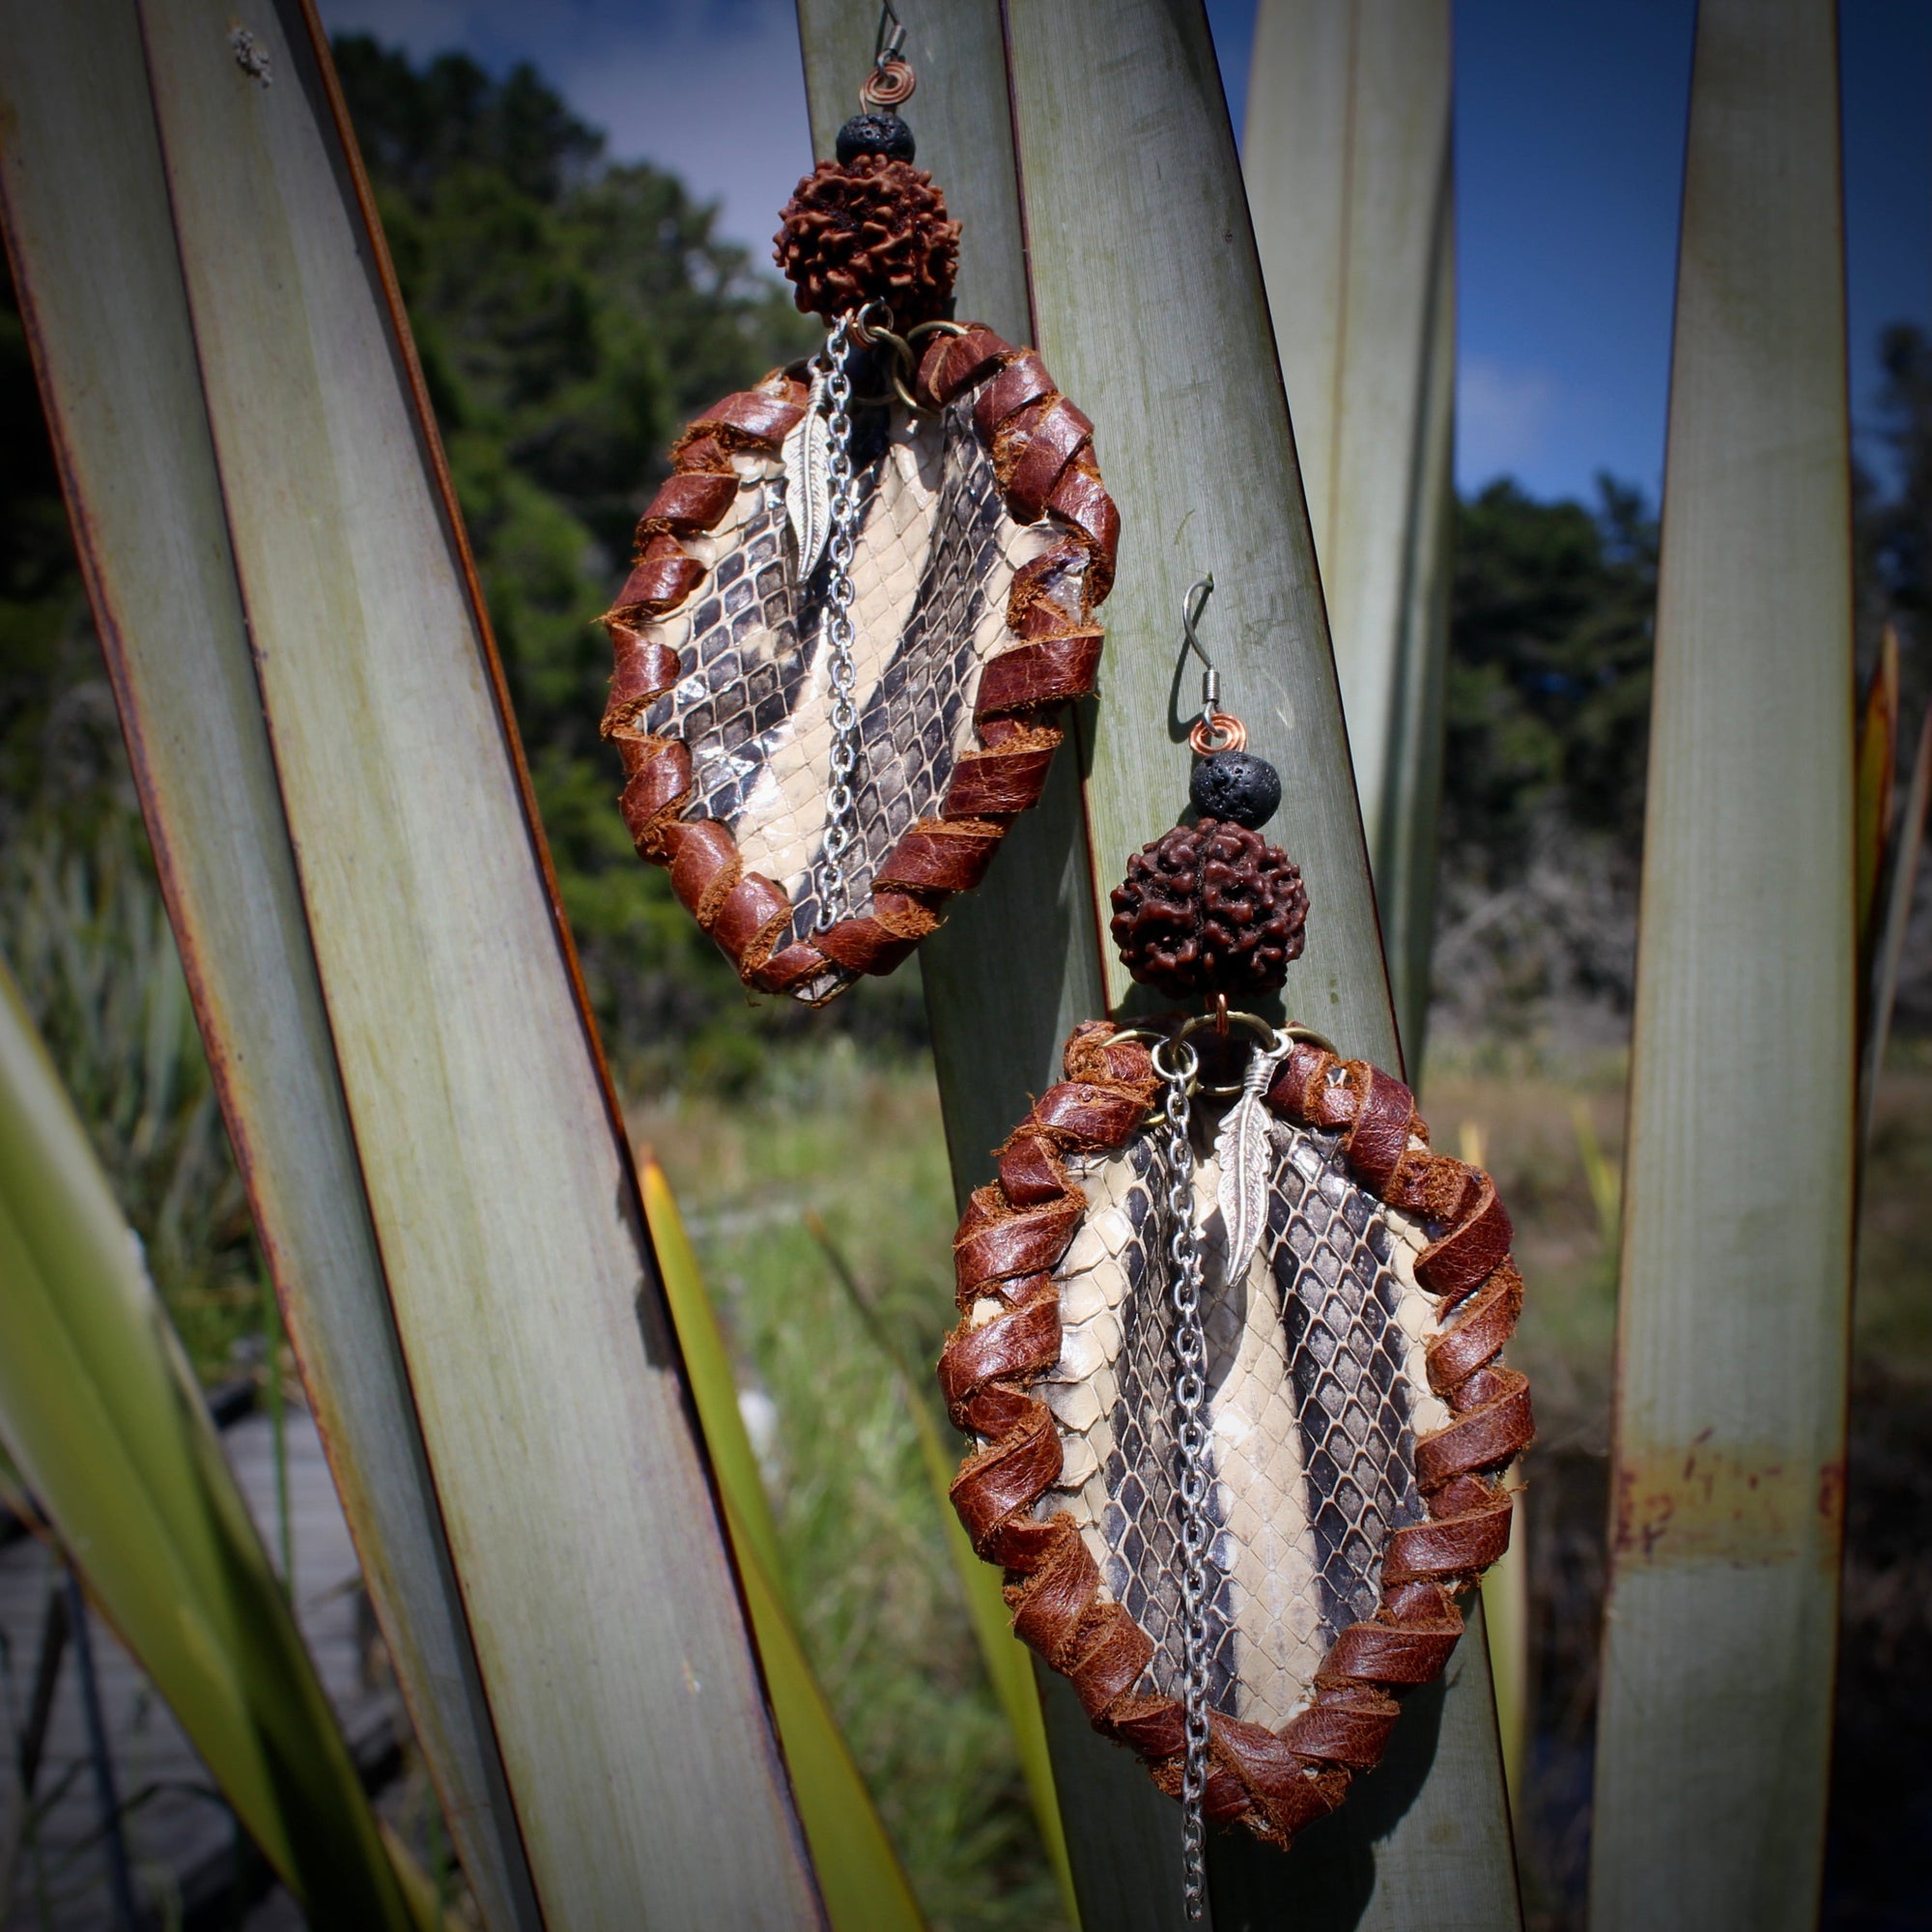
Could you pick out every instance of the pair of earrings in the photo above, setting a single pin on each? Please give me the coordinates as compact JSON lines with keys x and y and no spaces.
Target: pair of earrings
{"x":1230,"y":1330}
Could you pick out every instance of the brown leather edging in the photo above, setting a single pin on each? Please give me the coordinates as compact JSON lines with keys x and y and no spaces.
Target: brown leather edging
{"x":1042,"y":452}
{"x":1014,"y":1234}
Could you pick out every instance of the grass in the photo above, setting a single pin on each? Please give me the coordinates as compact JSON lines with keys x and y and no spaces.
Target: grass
{"x":86,"y":936}
{"x":857,"y":1141}
{"x":1555,"y":1173}
{"x":1881,"y":1810}
{"x":1891,"y":1319}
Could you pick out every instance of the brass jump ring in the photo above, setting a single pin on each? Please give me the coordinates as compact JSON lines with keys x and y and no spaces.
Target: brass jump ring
{"x":1220,"y":1020}
{"x":895,"y":390}
{"x":869,"y":332}
{"x":1228,"y":734}
{"x":910,"y":342}
{"x":1295,"y":1031}
{"x":1250,"y":1022}
{"x":904,"y":361}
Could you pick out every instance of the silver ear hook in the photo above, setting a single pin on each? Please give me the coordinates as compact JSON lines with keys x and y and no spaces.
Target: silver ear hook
{"x":890,"y":84}
{"x":1191,"y":606}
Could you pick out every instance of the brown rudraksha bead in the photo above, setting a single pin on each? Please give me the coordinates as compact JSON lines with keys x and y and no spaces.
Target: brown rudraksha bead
{"x":870,"y":229}
{"x":1209,"y":908}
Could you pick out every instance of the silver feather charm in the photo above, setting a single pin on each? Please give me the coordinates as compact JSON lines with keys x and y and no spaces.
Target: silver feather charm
{"x":1241,"y":1149}
{"x":806,"y":455}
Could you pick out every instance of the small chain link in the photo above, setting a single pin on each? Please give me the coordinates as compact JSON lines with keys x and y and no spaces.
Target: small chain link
{"x":1177,"y":1063}
{"x":840,"y":800}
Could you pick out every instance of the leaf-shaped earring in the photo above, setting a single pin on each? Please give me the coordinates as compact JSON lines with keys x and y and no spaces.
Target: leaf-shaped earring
{"x":862,"y":597}
{"x":1230,"y":1354}
{"x":807,"y":457}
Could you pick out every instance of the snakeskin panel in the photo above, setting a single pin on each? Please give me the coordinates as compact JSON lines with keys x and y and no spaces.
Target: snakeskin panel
{"x":933,"y":561}
{"x":1316,"y":1389}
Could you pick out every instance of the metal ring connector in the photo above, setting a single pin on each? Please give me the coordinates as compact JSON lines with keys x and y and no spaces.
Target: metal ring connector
{"x":1165,"y":1048}
{"x":889,"y":84}
{"x":1222,"y":1021}
{"x":911,"y":341}
{"x":1295,"y":1033}
{"x":1226,"y":733}
{"x":905,"y":358}
{"x":1182,"y":1062}
{"x":863,"y":324}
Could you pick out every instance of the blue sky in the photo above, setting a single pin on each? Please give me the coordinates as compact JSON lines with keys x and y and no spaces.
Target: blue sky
{"x":1569,"y":159}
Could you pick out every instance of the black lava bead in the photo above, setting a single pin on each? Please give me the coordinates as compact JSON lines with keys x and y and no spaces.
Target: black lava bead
{"x":1237,"y":785}
{"x":874,"y":135}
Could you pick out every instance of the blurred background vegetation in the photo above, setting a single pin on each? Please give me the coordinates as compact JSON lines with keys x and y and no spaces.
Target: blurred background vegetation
{"x":571,"y":314}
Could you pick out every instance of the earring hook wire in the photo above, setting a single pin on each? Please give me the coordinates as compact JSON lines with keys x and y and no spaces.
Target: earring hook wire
{"x":1191,"y":606}
{"x":891,"y":81}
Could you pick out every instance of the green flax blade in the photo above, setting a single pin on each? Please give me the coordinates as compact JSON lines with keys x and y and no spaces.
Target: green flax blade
{"x":1005,"y":1656}
{"x":1720,"y":1621}
{"x":101,"y":1416}
{"x":859,"y":1873}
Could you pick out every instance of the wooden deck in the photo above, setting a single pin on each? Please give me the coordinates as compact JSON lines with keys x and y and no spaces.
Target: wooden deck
{"x":186,"y":1858}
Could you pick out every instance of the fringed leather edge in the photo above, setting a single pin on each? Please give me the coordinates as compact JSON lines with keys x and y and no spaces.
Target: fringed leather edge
{"x":1012,"y":1236}
{"x":1043,"y":453}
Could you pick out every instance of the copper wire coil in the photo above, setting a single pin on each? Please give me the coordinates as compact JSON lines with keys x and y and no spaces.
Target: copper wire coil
{"x":889,"y":84}
{"x":1228,"y":734}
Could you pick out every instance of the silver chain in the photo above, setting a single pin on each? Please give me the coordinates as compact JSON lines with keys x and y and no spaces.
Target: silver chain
{"x":1177,"y":1063}
{"x":840,"y":802}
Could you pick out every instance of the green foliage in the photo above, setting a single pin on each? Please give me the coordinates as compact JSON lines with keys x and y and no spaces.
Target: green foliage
{"x":1895,"y":527}
{"x":1892,"y":529}
{"x":1549,"y":704}
{"x":81,"y":920}
{"x":571,"y":315}
{"x":1549,"y":670}
{"x":1548,"y":717}
{"x":867,"y":1557}
{"x":864,"y":1886}
{"x":569,"y":312}
{"x":87,"y":935}
{"x":61,"y":761}
{"x":1009,"y":1668}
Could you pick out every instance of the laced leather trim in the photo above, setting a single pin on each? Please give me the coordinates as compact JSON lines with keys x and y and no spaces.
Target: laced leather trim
{"x":1042,"y":452}
{"x":1014,"y":1234}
